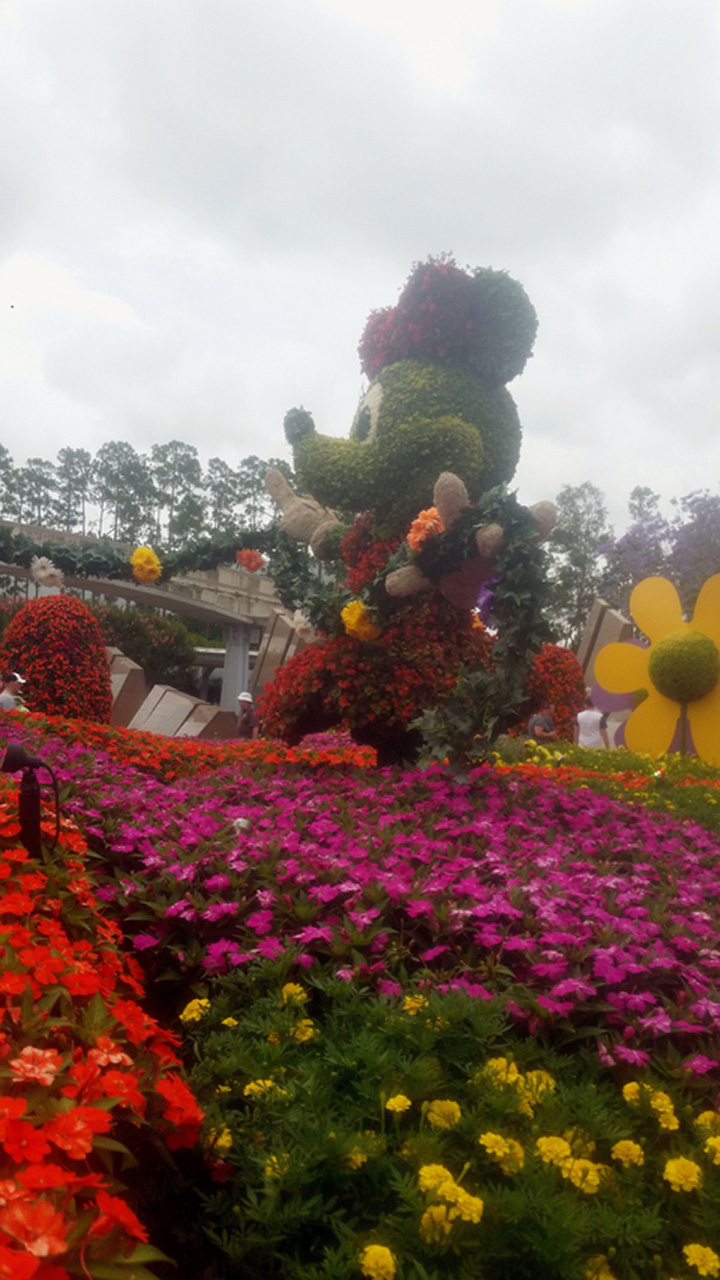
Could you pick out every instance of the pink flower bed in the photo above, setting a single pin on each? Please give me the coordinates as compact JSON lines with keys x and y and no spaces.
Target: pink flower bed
{"x":581,"y":909}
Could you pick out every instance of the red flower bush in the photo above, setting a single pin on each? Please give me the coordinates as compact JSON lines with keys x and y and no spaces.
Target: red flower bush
{"x":364,"y":555}
{"x":56,"y":644}
{"x":376,"y":688}
{"x":86,"y":1073}
{"x":557,"y":677}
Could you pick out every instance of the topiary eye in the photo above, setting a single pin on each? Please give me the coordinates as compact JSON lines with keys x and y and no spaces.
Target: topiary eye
{"x":363,"y":423}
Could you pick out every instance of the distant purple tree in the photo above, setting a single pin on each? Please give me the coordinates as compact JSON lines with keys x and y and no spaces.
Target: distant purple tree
{"x":685,"y":549}
{"x":643,"y":551}
{"x":695,"y":552}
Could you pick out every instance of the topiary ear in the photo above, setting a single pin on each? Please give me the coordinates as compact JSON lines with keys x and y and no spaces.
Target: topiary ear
{"x":504,"y":325}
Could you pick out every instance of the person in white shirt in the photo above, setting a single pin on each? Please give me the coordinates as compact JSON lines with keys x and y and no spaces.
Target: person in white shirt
{"x":10,"y":696}
{"x":591,"y":727}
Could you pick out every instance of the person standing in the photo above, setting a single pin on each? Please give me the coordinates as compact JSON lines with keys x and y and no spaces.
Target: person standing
{"x":10,"y":698}
{"x":246,"y":727}
{"x":541,"y":726}
{"x":591,"y":727}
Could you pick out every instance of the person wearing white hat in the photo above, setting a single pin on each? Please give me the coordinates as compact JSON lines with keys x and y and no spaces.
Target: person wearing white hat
{"x":10,"y":697}
{"x":246,"y":727}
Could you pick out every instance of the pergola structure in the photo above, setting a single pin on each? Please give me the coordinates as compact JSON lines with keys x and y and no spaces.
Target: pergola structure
{"x":240,"y":602}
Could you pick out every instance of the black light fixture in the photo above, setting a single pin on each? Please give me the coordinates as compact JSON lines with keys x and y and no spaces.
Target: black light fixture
{"x":14,"y":759}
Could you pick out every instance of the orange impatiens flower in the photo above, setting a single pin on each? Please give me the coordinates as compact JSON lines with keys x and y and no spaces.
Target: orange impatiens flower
{"x":114,"y":1211}
{"x":40,"y":1065}
{"x":36,"y":1226}
{"x":17,"y":1266}
{"x":73,"y":1131}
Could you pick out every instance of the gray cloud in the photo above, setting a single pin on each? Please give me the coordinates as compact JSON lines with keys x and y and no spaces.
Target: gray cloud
{"x":252,"y":179}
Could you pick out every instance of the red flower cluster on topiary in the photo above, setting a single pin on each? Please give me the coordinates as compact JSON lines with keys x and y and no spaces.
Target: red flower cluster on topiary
{"x":557,"y":677}
{"x":375,"y":688}
{"x":364,"y":555}
{"x":56,"y":644}
{"x":433,"y":320}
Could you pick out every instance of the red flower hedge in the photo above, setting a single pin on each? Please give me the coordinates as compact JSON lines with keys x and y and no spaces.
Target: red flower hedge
{"x":557,"y":677}
{"x":56,"y":644}
{"x":375,"y":687}
{"x":85,"y":1073}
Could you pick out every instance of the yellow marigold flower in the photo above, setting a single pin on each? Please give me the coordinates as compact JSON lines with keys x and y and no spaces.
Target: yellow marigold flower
{"x":357,"y":621}
{"x":276,"y":1166}
{"x":553,"y":1150}
{"x":304,"y":1031}
{"x":469,"y":1208}
{"x":435,"y":1224}
{"x":712,"y":1147}
{"x":501,"y":1071}
{"x":432,"y":1176}
{"x":598,"y":1268}
{"x":506,"y":1151}
{"x":223,"y":1088}
{"x":628,"y":1153}
{"x":427,"y":524}
{"x":709,"y":1120}
{"x":668,"y":1120}
{"x":293,"y":993}
{"x":377,"y":1262}
{"x":194,"y":1011}
{"x":705,"y":1260}
{"x":631,"y":1092}
{"x":398,"y":1103}
{"x":583,"y":1174}
{"x":443,"y":1113}
{"x":146,"y":566}
{"x":682,"y":1174}
{"x":355,"y":1158}
{"x":220,"y":1140}
{"x":532,"y":1088}
{"x":258,"y":1088}
{"x":229,"y":1022}
{"x":413,"y":1004}
{"x":274,"y":1037}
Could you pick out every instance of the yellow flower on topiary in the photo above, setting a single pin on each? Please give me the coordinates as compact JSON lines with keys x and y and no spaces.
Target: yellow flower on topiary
{"x":357,"y":621}
{"x":680,"y":669}
{"x":146,"y":566}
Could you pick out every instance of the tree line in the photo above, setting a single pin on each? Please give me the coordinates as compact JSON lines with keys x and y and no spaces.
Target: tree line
{"x":586,"y":560}
{"x":164,"y":497}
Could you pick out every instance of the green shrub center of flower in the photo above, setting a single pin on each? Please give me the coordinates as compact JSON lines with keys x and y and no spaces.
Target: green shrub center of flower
{"x":684,"y":665}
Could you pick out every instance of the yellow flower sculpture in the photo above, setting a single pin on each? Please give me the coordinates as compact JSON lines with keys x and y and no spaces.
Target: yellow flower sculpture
{"x":680,"y":669}
{"x":357,"y":621}
{"x":146,"y":566}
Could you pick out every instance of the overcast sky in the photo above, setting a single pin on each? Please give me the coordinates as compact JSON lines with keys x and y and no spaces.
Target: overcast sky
{"x":202,"y":200}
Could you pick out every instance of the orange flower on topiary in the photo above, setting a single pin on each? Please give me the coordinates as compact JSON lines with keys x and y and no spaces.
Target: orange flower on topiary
{"x":250,"y":560}
{"x":56,"y":644}
{"x":426,"y":525}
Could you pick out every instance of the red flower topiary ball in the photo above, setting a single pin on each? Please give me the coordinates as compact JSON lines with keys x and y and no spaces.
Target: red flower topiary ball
{"x":57,"y":645}
{"x":556,"y":677}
